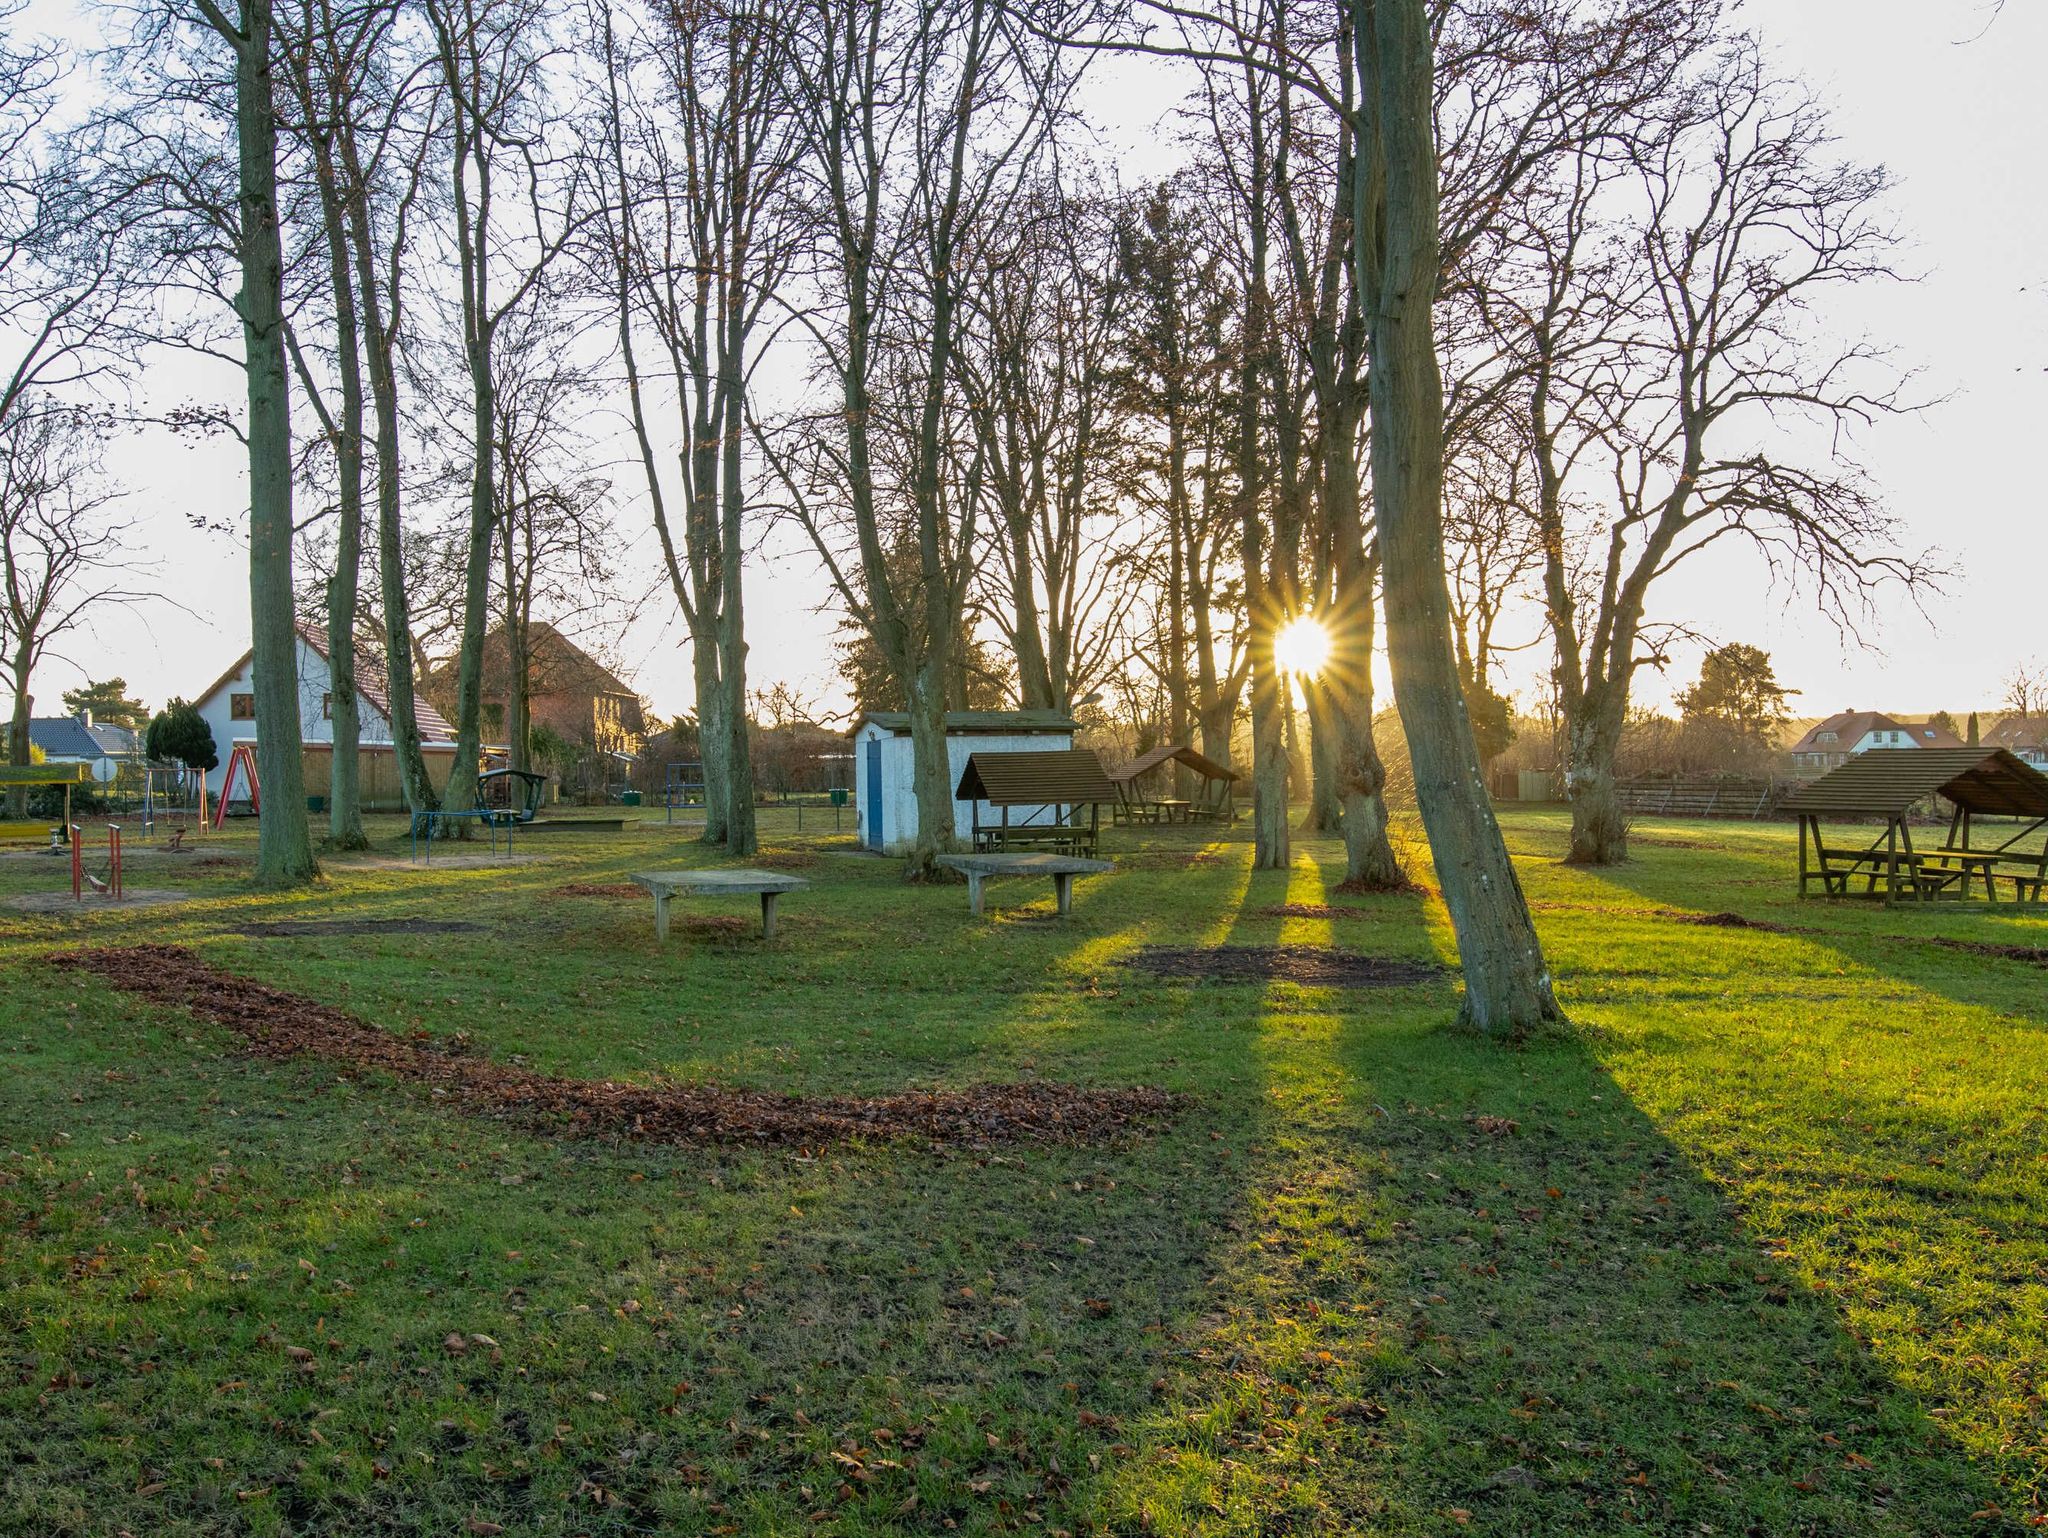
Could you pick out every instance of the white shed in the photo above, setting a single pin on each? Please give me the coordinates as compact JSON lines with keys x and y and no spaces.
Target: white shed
{"x":882,"y":766}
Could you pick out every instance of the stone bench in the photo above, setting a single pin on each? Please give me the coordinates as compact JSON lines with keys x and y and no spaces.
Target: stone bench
{"x":1063,"y":868}
{"x":664,"y":884}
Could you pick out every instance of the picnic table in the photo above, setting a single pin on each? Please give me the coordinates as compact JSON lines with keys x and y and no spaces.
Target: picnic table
{"x":1063,"y":868}
{"x":664,"y":884}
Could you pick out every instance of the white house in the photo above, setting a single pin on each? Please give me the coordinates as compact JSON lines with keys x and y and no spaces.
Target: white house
{"x":2023,"y":735}
{"x":1833,"y":742}
{"x":882,"y":765}
{"x":229,"y":708}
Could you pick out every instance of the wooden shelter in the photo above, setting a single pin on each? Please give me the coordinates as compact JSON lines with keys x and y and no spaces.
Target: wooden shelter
{"x":1886,"y":784}
{"x":1217,"y":801}
{"x":1037,"y":800}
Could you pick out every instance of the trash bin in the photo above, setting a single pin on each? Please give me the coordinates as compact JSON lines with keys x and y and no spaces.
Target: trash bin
{"x":839,"y":795}
{"x":629,"y":798}
{"x":316,"y":803}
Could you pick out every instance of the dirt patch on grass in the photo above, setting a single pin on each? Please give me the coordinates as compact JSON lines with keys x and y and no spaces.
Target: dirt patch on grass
{"x":284,"y":929}
{"x":599,"y":889}
{"x":278,"y":1024}
{"x":96,"y":902}
{"x":1728,"y":921}
{"x":1313,"y":911}
{"x":1311,"y":965}
{"x":2032,"y":955}
{"x":1166,"y":859}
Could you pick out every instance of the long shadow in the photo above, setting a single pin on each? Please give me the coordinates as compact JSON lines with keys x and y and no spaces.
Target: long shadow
{"x":1481,"y":1288}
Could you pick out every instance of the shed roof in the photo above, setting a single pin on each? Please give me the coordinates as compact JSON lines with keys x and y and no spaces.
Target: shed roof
{"x":1886,"y":782}
{"x":1208,"y":768}
{"x":998,"y":723}
{"x":1062,"y":775}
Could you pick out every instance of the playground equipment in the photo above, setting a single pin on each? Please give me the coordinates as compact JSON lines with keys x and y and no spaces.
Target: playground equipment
{"x":81,"y":878}
{"x":67,"y":775}
{"x":511,"y":795}
{"x":243,"y":761}
{"x":682,"y":785}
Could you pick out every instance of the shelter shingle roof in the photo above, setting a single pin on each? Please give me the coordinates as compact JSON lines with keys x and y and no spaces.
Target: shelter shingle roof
{"x":1887,"y":782}
{"x":1065,"y":775}
{"x":1208,"y":768}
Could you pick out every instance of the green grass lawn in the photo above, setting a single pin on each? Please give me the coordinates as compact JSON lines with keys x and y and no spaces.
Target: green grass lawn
{"x":1758,"y":1248}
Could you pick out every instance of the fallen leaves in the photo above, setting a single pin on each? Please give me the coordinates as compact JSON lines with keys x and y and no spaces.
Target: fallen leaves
{"x":280,"y":1024}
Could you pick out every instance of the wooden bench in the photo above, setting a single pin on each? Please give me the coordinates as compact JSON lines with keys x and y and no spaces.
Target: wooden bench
{"x":1063,"y":868}
{"x":664,"y":884}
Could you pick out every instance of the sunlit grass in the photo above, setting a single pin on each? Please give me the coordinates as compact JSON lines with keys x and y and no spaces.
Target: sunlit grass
{"x":1758,"y":1249}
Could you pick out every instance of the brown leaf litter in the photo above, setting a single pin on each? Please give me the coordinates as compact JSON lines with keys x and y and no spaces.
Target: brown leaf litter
{"x":1313,"y":911}
{"x":599,"y":889}
{"x":276,"y":1023}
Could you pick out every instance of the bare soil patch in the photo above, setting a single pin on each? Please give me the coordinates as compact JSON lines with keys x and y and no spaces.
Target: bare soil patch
{"x":1729,"y":921}
{"x":95,"y":902}
{"x":1311,"y":965}
{"x":282,"y":929}
{"x":1313,"y":911}
{"x":599,"y":889}
{"x":2032,"y":955}
{"x":279,"y":1024}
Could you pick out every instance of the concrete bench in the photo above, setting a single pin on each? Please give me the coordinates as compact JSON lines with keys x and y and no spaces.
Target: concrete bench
{"x":664,"y":884}
{"x":1063,"y":868}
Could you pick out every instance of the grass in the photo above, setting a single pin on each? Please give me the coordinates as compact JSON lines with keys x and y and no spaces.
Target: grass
{"x":1758,"y":1248}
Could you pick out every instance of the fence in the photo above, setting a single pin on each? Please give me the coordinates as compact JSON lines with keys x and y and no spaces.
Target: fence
{"x":1702,"y":798}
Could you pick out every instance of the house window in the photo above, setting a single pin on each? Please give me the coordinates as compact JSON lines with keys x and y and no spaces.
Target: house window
{"x":242,"y":707}
{"x":1826,"y":737}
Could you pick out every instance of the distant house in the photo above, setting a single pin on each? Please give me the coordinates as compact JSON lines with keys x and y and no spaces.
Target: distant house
{"x":2025,"y":737}
{"x":1831,"y":743}
{"x":81,"y":740}
{"x":569,"y":692}
{"x":229,"y":707}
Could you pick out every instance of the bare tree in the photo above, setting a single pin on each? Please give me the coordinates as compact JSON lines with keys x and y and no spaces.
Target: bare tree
{"x":699,"y":237}
{"x":491,"y":57}
{"x":63,"y":561}
{"x":1669,"y":343}
{"x":922,"y":121}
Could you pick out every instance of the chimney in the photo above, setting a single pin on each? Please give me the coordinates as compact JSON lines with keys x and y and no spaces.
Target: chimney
{"x":85,"y":719}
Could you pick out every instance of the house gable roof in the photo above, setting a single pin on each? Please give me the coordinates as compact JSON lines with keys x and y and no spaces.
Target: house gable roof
{"x":1848,"y":727}
{"x":371,"y":681}
{"x":2018,"y":731}
{"x":64,"y":737}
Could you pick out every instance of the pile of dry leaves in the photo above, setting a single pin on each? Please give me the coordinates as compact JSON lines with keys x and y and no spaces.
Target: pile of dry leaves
{"x":280,"y":1024}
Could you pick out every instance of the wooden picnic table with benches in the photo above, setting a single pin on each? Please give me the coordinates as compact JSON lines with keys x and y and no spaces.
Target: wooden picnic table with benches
{"x":977,"y":868}
{"x":665,"y":884}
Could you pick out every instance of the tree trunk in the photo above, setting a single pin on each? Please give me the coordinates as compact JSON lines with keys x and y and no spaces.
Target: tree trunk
{"x":741,"y":837}
{"x":1599,"y":827}
{"x":18,"y":753}
{"x":476,"y":587}
{"x":1507,"y":985}
{"x":344,"y":779}
{"x":711,"y":729}
{"x":931,"y":767}
{"x":1325,"y":805}
{"x":284,"y":842}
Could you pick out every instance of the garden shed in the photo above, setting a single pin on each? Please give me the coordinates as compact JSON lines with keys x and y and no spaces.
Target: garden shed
{"x":882,"y":765}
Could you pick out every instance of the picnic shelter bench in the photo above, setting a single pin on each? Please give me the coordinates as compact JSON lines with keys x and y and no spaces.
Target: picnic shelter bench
{"x":1138,"y":797}
{"x":665,"y":884}
{"x":1990,"y":792}
{"x":1063,"y":868}
{"x":1050,"y":801}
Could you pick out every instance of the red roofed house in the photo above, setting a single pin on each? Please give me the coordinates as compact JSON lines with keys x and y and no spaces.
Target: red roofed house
{"x":1833,"y":742}
{"x":229,"y":707}
{"x":2025,"y":737}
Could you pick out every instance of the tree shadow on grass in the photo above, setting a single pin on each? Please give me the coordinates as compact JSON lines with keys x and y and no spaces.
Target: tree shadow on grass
{"x":1481,"y":1288}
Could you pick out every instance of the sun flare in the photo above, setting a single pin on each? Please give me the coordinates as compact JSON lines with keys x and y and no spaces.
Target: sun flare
{"x":1302,"y":646}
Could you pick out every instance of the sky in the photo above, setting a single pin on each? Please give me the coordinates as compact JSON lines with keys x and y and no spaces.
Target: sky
{"x":1946,"y":95}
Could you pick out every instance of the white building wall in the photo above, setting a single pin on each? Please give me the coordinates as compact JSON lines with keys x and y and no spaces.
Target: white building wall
{"x":314,"y":726}
{"x":898,"y":789}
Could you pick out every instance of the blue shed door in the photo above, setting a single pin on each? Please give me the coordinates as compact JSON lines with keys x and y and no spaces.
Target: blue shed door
{"x":873,"y":809}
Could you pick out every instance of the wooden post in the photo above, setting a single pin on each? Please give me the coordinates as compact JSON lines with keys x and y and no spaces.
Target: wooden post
{"x":1802,"y":854}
